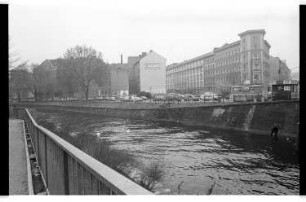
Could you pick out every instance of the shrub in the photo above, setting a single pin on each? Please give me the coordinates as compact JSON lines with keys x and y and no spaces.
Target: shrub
{"x":150,"y":176}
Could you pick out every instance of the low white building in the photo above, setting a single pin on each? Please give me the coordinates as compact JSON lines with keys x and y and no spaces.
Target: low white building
{"x":153,"y":73}
{"x":148,"y":73}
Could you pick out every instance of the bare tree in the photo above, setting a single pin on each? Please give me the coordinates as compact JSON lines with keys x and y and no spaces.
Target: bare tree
{"x":33,"y":80}
{"x":150,"y":175}
{"x":84,"y":64}
{"x":44,"y":82}
{"x":14,"y":58}
{"x":19,"y":81}
{"x":65,"y":77}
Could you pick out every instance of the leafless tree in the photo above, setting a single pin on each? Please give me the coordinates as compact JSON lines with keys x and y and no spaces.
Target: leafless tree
{"x":150,"y":176}
{"x":84,"y":64}
{"x":14,"y":58}
{"x":19,"y":80}
{"x":67,"y":85}
{"x":44,"y":82}
{"x":34,"y":81}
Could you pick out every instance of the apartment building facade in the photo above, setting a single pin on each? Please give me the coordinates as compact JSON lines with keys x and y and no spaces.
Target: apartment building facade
{"x":242,"y":62}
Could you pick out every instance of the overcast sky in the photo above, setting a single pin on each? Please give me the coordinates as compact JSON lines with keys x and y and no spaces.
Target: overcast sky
{"x":178,"y":30}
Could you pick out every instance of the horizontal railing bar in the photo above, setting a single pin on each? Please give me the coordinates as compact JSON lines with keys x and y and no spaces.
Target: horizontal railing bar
{"x":108,"y":176}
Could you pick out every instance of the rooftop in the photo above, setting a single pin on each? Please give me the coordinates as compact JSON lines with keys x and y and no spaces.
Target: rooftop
{"x":191,"y":60}
{"x":252,"y":32}
{"x":226,"y":45}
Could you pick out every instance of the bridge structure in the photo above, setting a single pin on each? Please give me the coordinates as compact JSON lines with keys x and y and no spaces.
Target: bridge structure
{"x":65,"y":169}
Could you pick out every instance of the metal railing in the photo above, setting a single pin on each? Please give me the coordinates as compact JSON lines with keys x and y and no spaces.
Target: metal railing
{"x":69,"y":171}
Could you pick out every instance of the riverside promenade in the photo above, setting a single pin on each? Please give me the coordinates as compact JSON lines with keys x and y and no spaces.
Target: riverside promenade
{"x":18,"y":174}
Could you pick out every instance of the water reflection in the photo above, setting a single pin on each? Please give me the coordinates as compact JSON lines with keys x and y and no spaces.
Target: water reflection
{"x":198,"y":158}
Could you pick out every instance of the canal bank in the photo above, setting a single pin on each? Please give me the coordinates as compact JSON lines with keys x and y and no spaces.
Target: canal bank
{"x":255,"y":118}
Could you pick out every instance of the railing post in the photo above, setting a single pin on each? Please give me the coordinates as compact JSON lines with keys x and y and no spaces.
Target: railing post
{"x":46,"y":160}
{"x":37,"y":147}
{"x":34,"y":137}
{"x":66,"y":174}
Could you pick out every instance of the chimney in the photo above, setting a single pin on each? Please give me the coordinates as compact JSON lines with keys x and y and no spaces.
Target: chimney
{"x":121,"y":59}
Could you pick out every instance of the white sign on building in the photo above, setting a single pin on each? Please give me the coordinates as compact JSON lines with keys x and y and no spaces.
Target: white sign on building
{"x":152,"y":66}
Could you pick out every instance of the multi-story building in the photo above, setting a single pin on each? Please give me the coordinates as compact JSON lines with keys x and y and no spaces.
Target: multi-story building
{"x":133,"y":65}
{"x":279,"y":70}
{"x":115,"y":82}
{"x":119,"y":81}
{"x":147,"y":73}
{"x":254,"y":57}
{"x":242,"y":62}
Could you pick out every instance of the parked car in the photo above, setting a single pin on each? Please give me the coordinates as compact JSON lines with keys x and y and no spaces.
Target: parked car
{"x":144,"y":98}
{"x":159,"y":97}
{"x":172,"y":97}
{"x":107,"y":98}
{"x":135,"y":99}
{"x":189,"y":97}
{"x":196,"y":98}
{"x":209,"y":96}
{"x":125,"y":99}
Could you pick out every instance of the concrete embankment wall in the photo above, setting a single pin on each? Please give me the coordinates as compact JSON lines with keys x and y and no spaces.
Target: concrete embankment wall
{"x":251,"y":117}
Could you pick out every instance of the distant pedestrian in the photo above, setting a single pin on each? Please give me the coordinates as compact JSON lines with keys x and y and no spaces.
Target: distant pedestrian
{"x":274,"y":131}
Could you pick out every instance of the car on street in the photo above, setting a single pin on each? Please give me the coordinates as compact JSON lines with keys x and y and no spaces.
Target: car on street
{"x":190,"y":97}
{"x":135,"y":99}
{"x":144,"y":98}
{"x":125,"y":99}
{"x":159,"y":97}
{"x":209,"y":96}
{"x":173,"y":97}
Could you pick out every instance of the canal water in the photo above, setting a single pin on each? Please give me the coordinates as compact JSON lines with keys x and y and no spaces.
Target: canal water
{"x":195,"y":160}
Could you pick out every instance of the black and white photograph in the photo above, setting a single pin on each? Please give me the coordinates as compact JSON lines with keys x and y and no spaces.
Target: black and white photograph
{"x":154,"y":97}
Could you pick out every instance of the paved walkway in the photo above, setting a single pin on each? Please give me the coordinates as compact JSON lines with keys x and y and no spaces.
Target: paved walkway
{"x":18,"y":176}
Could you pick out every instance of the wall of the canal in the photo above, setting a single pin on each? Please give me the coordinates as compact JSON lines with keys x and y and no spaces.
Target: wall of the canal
{"x":251,"y":117}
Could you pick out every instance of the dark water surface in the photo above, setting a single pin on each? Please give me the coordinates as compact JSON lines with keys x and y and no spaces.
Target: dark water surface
{"x":197,"y":159}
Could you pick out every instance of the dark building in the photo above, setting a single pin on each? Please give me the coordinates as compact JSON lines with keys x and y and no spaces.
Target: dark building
{"x":285,"y":90}
{"x":134,"y":80}
{"x":119,"y":80}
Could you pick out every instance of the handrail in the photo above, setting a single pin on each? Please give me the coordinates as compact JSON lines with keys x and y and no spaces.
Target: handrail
{"x":109,"y":177}
{"x":30,"y":181}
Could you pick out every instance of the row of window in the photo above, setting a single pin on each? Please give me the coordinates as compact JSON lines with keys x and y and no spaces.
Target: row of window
{"x":185,"y":82}
{"x":228,"y":62}
{"x":220,"y":80}
{"x":234,"y":61}
{"x":199,"y":71}
{"x":189,"y":67}
{"x":228,"y":53}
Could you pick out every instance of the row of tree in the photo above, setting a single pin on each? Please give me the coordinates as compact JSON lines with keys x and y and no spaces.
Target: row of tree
{"x":77,"y":71}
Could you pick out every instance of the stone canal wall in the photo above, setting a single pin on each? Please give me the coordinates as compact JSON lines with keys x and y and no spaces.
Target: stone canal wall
{"x":251,"y":117}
